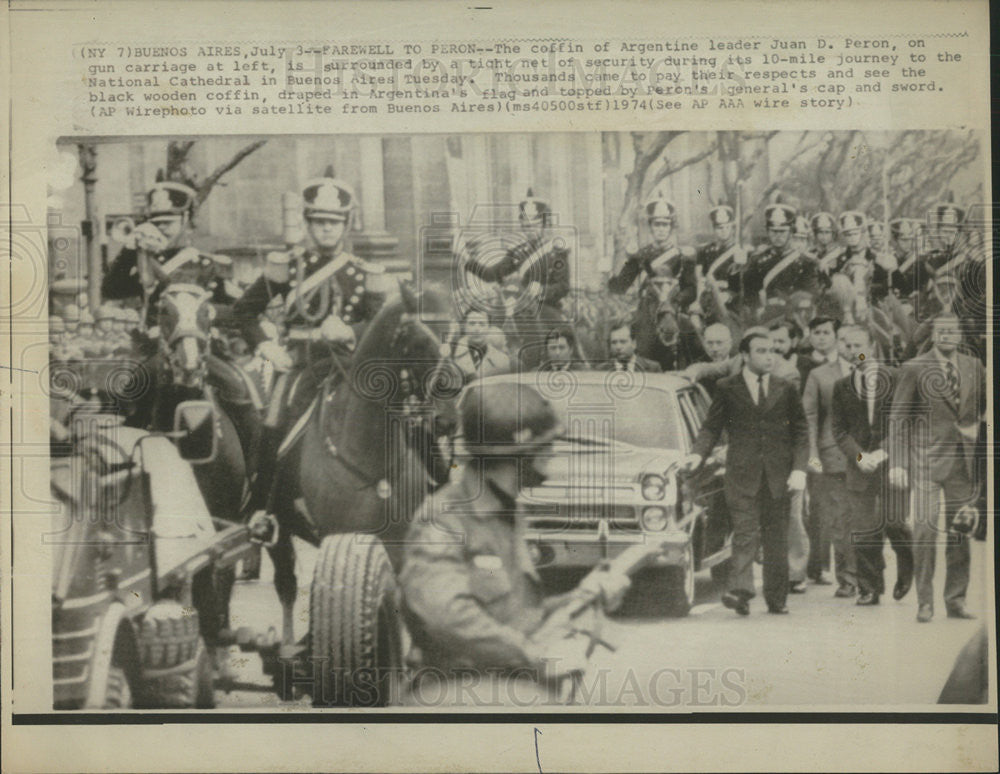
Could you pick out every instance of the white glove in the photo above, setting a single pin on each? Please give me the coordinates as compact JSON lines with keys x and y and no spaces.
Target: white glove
{"x":148,"y":237}
{"x":815,"y":465}
{"x":611,"y":587}
{"x":797,"y":481}
{"x":898,"y":478}
{"x":739,"y":256}
{"x":336,"y":330}
{"x":277,"y":354}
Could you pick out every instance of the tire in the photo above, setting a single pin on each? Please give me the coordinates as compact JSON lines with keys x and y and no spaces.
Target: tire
{"x":354,"y":623}
{"x":117,"y":692}
{"x":191,"y":688}
{"x":168,"y":636}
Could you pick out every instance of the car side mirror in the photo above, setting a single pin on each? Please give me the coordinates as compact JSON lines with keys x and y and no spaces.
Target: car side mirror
{"x":194,"y":430}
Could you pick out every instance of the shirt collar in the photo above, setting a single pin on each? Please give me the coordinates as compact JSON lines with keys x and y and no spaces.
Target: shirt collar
{"x":940,"y":356}
{"x":751,"y":378}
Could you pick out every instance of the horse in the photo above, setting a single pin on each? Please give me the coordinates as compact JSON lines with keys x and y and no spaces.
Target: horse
{"x":185,"y":368}
{"x":368,"y":449}
{"x":666,"y":334}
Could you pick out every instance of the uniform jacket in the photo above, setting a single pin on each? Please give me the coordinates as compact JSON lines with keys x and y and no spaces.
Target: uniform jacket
{"x":539,"y":259}
{"x":729,"y":271}
{"x":766,"y":443}
{"x":930,"y":433}
{"x":855,"y":434}
{"x":312,"y":288}
{"x":641,"y":364}
{"x":653,"y":260}
{"x":817,"y":400}
{"x":179,"y":265}
{"x":471,"y":595}
{"x":800,"y":272}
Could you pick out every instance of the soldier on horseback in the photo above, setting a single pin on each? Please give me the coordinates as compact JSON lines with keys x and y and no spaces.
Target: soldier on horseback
{"x":157,"y":254}
{"x":540,"y":263}
{"x":328,"y":295}
{"x":904,"y":244}
{"x":722,"y":260}
{"x":778,"y":267}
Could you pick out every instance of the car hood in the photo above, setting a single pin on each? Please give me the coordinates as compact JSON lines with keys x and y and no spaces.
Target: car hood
{"x":583,"y":461}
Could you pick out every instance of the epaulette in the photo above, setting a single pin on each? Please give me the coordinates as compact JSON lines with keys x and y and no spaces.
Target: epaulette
{"x":276,"y":266}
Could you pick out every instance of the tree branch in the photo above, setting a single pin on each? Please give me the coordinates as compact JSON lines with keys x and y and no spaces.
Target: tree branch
{"x":206,"y":186}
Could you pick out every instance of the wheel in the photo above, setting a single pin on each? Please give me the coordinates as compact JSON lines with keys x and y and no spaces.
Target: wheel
{"x":117,"y":693}
{"x":168,"y":636}
{"x":354,"y":623}
{"x":678,"y":585}
{"x":190,"y":688}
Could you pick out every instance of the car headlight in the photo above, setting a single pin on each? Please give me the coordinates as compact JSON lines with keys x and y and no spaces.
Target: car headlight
{"x":655,"y":519}
{"x":653,"y":487}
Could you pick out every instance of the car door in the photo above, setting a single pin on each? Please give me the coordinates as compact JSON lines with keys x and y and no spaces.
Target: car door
{"x":706,"y":487}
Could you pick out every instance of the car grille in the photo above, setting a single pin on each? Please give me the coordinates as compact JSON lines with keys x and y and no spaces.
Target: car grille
{"x":560,"y":518}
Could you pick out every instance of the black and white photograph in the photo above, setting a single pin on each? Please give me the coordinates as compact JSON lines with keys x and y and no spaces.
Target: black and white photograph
{"x":654,"y":421}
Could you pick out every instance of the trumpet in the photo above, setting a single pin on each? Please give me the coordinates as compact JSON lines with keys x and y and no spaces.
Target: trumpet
{"x":122,"y":229}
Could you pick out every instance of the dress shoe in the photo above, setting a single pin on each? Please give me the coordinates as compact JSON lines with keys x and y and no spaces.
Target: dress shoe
{"x":902,"y":588}
{"x":845,"y":592}
{"x":777,"y":610}
{"x":819,"y":580}
{"x":959,"y":611}
{"x":736,"y":602}
{"x":797,"y":587}
{"x":925,"y":614}
{"x":867,"y":598}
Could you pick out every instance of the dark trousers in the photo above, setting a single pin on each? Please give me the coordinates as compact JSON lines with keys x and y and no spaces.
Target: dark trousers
{"x":957,"y":490}
{"x":877,"y":513}
{"x":828,"y":517}
{"x":760,"y":519}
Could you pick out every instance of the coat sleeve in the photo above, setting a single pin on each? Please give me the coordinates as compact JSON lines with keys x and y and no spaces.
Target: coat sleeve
{"x":622,"y":281}
{"x":810,"y":405}
{"x":714,"y":370}
{"x":437,"y":592}
{"x":714,"y":424}
{"x":799,"y":428}
{"x":901,"y":415}
{"x":121,"y":281}
{"x":247,"y":310}
{"x":841,"y":425}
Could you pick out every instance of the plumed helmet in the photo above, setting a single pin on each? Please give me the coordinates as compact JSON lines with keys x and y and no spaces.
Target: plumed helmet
{"x":169,"y":198}
{"x":659,"y":208}
{"x":780,"y":215}
{"x":507,"y":419}
{"x":327,"y":197}
{"x":852,"y":219}
{"x":823,"y":221}
{"x":905,"y":228}
{"x":721,"y":215}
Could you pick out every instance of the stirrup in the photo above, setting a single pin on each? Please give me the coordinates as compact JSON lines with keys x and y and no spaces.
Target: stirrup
{"x":264,"y":529}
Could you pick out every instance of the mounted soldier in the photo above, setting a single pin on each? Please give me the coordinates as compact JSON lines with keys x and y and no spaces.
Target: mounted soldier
{"x":157,"y":253}
{"x":778,"y":268}
{"x":721,"y":261}
{"x":328,"y":295}
{"x":825,"y":248}
{"x":905,"y":247}
{"x":540,"y":265}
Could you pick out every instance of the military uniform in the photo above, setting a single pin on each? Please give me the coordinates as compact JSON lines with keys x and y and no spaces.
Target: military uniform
{"x":909,"y":275}
{"x":779,"y":271}
{"x":175,"y":264}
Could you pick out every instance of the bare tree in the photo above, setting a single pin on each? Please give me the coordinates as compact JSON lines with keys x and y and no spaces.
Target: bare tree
{"x":181,"y":169}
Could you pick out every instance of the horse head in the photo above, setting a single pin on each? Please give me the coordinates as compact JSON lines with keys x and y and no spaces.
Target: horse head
{"x":185,"y":316}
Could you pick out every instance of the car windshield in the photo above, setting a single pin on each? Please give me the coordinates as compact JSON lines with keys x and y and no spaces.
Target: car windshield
{"x":590,"y":415}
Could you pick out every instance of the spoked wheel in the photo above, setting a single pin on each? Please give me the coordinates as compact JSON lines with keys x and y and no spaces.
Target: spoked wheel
{"x":354,"y":625}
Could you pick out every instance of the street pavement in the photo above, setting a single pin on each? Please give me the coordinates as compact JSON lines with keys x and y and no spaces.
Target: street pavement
{"x":827,"y":653}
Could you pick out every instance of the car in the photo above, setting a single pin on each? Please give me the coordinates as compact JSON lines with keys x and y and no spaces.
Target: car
{"x":616,"y":479}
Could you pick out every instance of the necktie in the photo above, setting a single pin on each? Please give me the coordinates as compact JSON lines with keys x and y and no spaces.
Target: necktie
{"x":951,"y":374}
{"x":760,"y":389}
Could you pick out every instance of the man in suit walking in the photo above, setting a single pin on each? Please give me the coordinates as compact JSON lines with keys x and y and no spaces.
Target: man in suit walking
{"x":621,"y":346}
{"x":936,"y":409}
{"x":766,"y":459}
{"x":861,"y":405}
{"x":828,"y":510}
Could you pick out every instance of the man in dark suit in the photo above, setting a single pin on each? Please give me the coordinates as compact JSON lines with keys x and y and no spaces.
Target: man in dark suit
{"x":861,"y":405}
{"x":766,"y":459}
{"x":937,"y":406}
{"x":560,"y":348}
{"x":621,"y":346}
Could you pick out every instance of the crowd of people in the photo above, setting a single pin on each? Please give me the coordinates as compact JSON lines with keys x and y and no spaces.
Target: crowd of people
{"x":846,"y":375}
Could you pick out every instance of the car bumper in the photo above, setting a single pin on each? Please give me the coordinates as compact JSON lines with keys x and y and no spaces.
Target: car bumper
{"x":586,"y":550}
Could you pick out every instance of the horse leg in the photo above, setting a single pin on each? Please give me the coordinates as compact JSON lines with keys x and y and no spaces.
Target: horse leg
{"x":285,"y":583}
